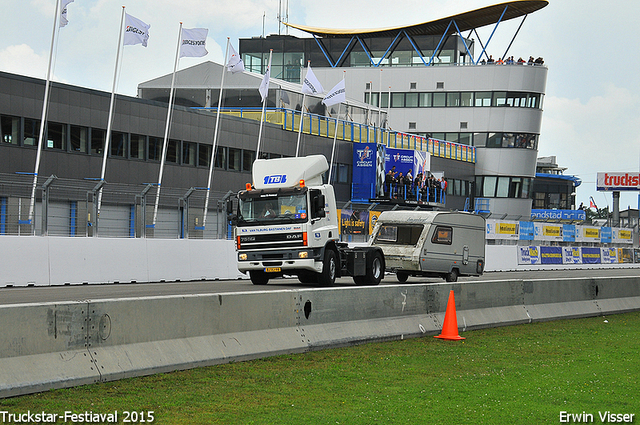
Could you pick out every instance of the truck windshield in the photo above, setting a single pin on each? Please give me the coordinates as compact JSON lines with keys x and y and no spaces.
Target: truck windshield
{"x":278,"y":208}
{"x":399,"y":234}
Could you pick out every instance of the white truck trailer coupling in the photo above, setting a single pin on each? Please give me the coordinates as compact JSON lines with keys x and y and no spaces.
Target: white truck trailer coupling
{"x":431,"y":243}
{"x":287,"y":223}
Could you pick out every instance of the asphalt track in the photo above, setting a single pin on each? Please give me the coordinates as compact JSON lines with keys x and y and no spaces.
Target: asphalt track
{"x":42,"y":294}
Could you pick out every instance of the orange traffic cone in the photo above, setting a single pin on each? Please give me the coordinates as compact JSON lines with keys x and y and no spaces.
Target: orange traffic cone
{"x":450,"y":327}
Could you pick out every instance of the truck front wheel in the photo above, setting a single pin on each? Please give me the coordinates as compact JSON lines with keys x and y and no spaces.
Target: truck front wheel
{"x":329,"y":268}
{"x":258,"y":277}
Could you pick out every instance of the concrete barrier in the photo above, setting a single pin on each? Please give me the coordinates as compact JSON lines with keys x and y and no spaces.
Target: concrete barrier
{"x":59,"y":345}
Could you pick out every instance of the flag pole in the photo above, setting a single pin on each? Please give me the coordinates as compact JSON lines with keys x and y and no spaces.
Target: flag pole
{"x":166,"y":129}
{"x":264,"y":103}
{"x":43,"y":121}
{"x":215,"y":138}
{"x":110,"y":119}
{"x":304,"y":98}
{"x":333,"y":149}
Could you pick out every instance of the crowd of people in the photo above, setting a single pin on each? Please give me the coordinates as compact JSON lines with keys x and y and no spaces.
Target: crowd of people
{"x":511,"y":61}
{"x":422,"y":188}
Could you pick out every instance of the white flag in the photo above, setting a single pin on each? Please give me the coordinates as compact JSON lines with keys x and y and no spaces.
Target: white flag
{"x":193,"y":42}
{"x":336,"y":95}
{"x":234,"y":64}
{"x":311,"y":85}
{"x":264,"y":85}
{"x":136,"y":32}
{"x":63,"y":12}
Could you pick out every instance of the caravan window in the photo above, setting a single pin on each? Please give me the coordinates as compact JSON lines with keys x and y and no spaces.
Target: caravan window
{"x":400,"y":234}
{"x":442,"y":235}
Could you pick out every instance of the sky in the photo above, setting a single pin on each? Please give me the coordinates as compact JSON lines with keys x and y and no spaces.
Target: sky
{"x":591,"y":111}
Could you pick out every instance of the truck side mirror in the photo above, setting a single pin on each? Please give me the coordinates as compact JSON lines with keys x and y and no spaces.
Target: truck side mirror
{"x":318,"y":202}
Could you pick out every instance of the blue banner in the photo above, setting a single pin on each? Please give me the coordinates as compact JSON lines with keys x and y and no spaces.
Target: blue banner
{"x":606,"y":234}
{"x":591,"y":255}
{"x":559,"y":214}
{"x":551,"y":255}
{"x":368,"y":171}
{"x":568,"y":233}
{"x":526,"y":230}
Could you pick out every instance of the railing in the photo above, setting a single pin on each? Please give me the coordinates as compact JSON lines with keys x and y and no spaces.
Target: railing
{"x":67,"y":207}
{"x":319,"y":125}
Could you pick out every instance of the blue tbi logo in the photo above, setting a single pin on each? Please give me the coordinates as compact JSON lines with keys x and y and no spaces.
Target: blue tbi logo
{"x":275,"y":179}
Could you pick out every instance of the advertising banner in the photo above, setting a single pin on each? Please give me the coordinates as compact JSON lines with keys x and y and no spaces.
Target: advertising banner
{"x":373,"y":219}
{"x":609,"y":255}
{"x":618,"y":181}
{"x":368,"y":171}
{"x":622,"y":236}
{"x":625,"y":255}
{"x":528,"y":255}
{"x":588,"y":234}
{"x":568,"y":233}
{"x":571,"y":255}
{"x":548,"y":232}
{"x":558,"y":214}
{"x":353,"y":222}
{"x":502,"y":229}
{"x":526,"y":231}
{"x":606,"y":235}
{"x":551,"y":254}
{"x":591,"y":255}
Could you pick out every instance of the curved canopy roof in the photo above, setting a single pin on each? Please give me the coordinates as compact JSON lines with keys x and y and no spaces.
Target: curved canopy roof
{"x":465,"y":21}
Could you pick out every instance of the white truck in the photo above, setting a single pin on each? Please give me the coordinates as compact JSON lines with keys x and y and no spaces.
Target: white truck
{"x":287,"y":223}
{"x":431,"y":243}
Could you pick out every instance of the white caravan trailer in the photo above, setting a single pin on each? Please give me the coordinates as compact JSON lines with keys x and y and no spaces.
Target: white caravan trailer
{"x":431,"y":243}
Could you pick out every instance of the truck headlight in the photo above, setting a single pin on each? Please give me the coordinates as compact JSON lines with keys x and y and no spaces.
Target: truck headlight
{"x":303,"y":254}
{"x":242,"y":257}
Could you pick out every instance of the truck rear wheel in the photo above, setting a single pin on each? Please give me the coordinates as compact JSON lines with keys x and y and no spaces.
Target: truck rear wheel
{"x":375,"y":268}
{"x":329,"y":268}
{"x":258,"y":277}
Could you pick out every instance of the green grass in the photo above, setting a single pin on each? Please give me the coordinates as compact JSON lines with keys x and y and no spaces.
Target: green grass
{"x":523,"y":374}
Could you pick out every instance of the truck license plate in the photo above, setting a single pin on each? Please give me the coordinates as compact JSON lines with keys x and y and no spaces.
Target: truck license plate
{"x":272,"y":269}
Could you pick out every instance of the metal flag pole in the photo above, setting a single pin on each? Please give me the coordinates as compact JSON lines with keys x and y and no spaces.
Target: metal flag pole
{"x":43,"y":120}
{"x":166,"y":129}
{"x":333,"y":149}
{"x":215,"y":138}
{"x":110,"y":119}
{"x":304,"y":98}
{"x":264,"y":103}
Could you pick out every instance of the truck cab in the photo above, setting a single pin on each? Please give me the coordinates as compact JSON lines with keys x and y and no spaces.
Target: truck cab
{"x":287,"y":223}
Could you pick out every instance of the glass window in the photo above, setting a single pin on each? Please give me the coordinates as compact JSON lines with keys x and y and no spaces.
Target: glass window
{"x":442,"y":235}
{"x":138,"y":144}
{"x":397,"y":100}
{"x":235,"y":159}
{"x":384,"y":100}
{"x":453,"y":99}
{"x":480,"y":139}
{"x":489,"y":186}
{"x":508,"y":140}
{"x":451,"y":137}
{"x":189,"y":153}
{"x":9,"y":129}
{"x":118,"y":144}
{"x":204,"y":155}
{"x":457,"y":191}
{"x":79,"y":138}
{"x":173,"y":152}
{"x":483,"y":98}
{"x":494,"y":140}
{"x":400,"y":234}
{"x":425,"y":100}
{"x":465,"y":138}
{"x":98,"y":137}
{"x":56,"y":136}
{"x":31,"y":132}
{"x":533,"y":101}
{"x":247,"y":159}
{"x":411,"y":100}
{"x":221,"y":157}
{"x":515,"y":189}
{"x":439,"y":99}
{"x":526,"y":184}
{"x":499,"y":98}
{"x":292,"y":65}
{"x":503,"y":187}
{"x":155,"y":148}
{"x":466,"y":99}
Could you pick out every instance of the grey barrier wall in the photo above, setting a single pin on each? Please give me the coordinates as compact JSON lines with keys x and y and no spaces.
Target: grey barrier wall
{"x":51,"y":260}
{"x":58,"y":345}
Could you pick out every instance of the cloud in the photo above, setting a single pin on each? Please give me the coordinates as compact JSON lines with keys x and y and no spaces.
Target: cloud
{"x":21,"y":59}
